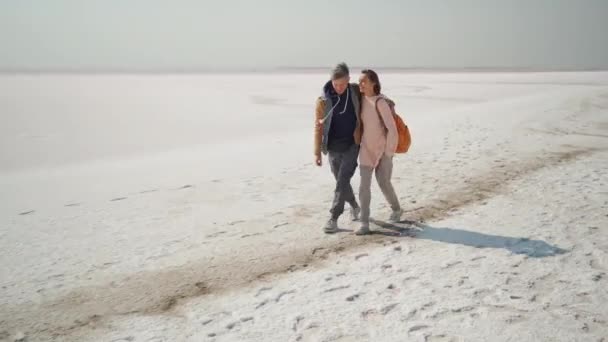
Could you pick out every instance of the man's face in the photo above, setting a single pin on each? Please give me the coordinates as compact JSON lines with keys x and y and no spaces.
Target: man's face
{"x":340,"y":84}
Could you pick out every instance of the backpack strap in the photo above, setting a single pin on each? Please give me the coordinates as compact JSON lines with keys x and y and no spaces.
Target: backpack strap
{"x":380,"y":115}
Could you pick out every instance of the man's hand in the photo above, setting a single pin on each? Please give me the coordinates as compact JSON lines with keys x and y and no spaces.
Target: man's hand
{"x":319,"y":160}
{"x":319,"y":125}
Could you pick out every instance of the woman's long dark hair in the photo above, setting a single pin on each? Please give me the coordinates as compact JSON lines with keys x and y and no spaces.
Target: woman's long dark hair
{"x":372,"y":76}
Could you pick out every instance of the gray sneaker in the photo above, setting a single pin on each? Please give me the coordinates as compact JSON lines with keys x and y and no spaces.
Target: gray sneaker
{"x":395,"y":216}
{"x":331,"y":227}
{"x":364,"y":230}
{"x":354,"y":213}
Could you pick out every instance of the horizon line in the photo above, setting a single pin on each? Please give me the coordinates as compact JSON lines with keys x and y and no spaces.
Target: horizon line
{"x":283,"y":69}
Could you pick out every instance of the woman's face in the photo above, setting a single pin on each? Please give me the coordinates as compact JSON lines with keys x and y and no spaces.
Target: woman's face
{"x":365,"y":84}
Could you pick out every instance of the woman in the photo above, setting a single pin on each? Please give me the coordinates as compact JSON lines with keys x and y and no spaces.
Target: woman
{"x":378,"y":145}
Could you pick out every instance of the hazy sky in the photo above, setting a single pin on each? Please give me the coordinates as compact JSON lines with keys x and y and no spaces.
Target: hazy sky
{"x":150,"y":34}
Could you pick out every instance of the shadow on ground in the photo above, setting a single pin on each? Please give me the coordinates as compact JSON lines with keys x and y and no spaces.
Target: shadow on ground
{"x":516,"y":245}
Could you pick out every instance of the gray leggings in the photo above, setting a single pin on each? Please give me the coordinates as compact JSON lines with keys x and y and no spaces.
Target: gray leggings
{"x":384,"y":171}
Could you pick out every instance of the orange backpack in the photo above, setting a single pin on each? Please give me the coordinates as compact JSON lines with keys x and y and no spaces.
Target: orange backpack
{"x":403,"y":132}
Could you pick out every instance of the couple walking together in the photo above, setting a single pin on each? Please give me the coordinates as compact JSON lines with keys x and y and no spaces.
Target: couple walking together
{"x":354,"y":124}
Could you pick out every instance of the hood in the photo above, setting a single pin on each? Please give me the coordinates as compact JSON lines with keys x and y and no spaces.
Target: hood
{"x":328,"y":90}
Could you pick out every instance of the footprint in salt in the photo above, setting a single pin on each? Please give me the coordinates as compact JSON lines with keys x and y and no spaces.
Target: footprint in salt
{"x":148,"y":191}
{"x":367,"y":314}
{"x":310,"y":333}
{"x":283,"y":294}
{"x":215,"y":234}
{"x":387,"y":309}
{"x":361,"y":256}
{"x":262,"y":290}
{"x":156,"y":339}
{"x":262,"y":304}
{"x":451,"y":264}
{"x":409,"y":315}
{"x":418,"y":327}
{"x":338,"y":288}
{"x":354,"y":297}
{"x":232,"y":325}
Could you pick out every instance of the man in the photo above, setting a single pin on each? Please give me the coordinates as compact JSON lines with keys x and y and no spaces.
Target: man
{"x":338,"y":134}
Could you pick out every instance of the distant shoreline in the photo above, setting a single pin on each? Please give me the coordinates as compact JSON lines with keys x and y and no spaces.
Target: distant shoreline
{"x":290,"y":70}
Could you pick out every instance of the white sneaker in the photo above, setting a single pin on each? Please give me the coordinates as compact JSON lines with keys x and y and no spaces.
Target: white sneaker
{"x":331,"y":227}
{"x":395,"y":216}
{"x":364,"y":230}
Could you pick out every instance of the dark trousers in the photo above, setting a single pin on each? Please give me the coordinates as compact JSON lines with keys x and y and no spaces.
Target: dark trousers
{"x":343,"y":166}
